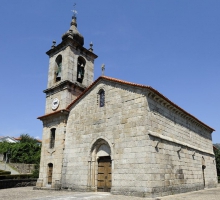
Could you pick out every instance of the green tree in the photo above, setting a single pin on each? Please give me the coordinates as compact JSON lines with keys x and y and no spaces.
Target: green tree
{"x":5,"y":146}
{"x":26,"y":151}
{"x":25,"y":138}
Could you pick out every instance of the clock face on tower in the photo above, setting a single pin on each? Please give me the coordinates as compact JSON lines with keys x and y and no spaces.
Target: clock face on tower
{"x":55,"y":104}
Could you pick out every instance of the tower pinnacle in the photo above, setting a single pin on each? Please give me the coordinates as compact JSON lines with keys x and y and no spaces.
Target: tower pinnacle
{"x":73,"y":33}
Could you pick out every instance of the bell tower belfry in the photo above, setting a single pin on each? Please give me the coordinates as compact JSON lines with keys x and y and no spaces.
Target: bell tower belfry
{"x":71,"y":69}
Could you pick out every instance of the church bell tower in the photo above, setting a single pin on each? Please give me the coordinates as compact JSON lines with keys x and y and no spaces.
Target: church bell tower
{"x":71,"y":69}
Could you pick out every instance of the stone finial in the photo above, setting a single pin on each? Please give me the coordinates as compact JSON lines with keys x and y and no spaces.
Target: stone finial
{"x":73,"y":22}
{"x":53,"y":45}
{"x":91,"y":45}
{"x":103,"y":69}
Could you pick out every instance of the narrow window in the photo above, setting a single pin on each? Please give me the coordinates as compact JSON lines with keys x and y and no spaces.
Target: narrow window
{"x":80,"y":69}
{"x":58,"y":68}
{"x":203,"y":170}
{"x":101,"y":98}
{"x":50,"y":173}
{"x":52,"y":137}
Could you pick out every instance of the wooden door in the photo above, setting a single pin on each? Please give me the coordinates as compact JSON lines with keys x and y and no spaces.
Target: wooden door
{"x":50,"y":173}
{"x":104,"y":174}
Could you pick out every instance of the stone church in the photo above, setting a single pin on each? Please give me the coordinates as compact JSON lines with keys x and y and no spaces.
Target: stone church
{"x":116,"y":136}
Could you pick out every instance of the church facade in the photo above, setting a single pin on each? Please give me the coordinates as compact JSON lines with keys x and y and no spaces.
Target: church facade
{"x":116,"y":136}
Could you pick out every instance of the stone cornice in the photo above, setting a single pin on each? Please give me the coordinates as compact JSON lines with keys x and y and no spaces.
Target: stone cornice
{"x":62,"y":86}
{"x":69,"y":42}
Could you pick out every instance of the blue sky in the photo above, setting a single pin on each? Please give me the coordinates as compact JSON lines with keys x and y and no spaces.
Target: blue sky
{"x":173,"y":46}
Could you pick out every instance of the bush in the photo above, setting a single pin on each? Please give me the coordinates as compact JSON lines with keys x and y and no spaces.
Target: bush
{"x":26,"y":151}
{"x":35,"y":173}
{"x":16,"y":176}
{"x":2,"y":172}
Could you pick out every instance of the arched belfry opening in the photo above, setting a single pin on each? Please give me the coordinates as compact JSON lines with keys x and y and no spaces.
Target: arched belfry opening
{"x":58,"y":69}
{"x":100,"y":167}
{"x":81,"y":63}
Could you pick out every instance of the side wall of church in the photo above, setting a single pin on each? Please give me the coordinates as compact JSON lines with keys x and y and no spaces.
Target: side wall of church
{"x":144,"y":163}
{"x":179,"y":149}
{"x":52,"y":155}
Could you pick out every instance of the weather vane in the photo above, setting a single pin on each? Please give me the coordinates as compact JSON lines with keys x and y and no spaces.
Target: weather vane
{"x":74,"y":11}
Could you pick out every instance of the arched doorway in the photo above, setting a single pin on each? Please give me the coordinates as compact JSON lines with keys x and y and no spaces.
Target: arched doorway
{"x":50,"y":173}
{"x":100,"y":167}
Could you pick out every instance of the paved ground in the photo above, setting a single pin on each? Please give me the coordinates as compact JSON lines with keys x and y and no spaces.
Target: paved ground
{"x":30,"y":194}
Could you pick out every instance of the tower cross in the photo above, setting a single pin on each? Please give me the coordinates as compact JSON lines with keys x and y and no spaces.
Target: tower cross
{"x":103,"y":69}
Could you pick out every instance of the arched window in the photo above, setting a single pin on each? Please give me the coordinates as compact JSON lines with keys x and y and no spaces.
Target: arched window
{"x":50,"y":173}
{"x":80,"y":69}
{"x":58,"y":68}
{"x":101,"y":98}
{"x":52,"y":137}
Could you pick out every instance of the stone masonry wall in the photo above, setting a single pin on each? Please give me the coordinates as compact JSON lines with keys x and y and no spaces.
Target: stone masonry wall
{"x":142,"y":164}
{"x":23,"y":168}
{"x":54,"y":155}
{"x":170,"y":124}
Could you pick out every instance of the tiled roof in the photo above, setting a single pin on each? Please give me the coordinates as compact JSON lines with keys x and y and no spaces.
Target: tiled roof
{"x":7,"y":139}
{"x":214,"y":147}
{"x":53,"y":113}
{"x":131,"y":84}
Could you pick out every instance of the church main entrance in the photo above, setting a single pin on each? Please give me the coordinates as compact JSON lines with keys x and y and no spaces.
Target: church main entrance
{"x":101,"y":167}
{"x":104,"y":180}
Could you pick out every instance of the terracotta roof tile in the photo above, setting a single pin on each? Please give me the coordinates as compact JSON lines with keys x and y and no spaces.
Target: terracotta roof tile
{"x":214,"y":147}
{"x":53,"y":113}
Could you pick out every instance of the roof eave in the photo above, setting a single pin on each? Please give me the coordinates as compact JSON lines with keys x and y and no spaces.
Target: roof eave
{"x":62,"y":112}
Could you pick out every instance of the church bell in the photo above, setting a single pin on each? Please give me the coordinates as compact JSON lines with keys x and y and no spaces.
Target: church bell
{"x":59,"y":75}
